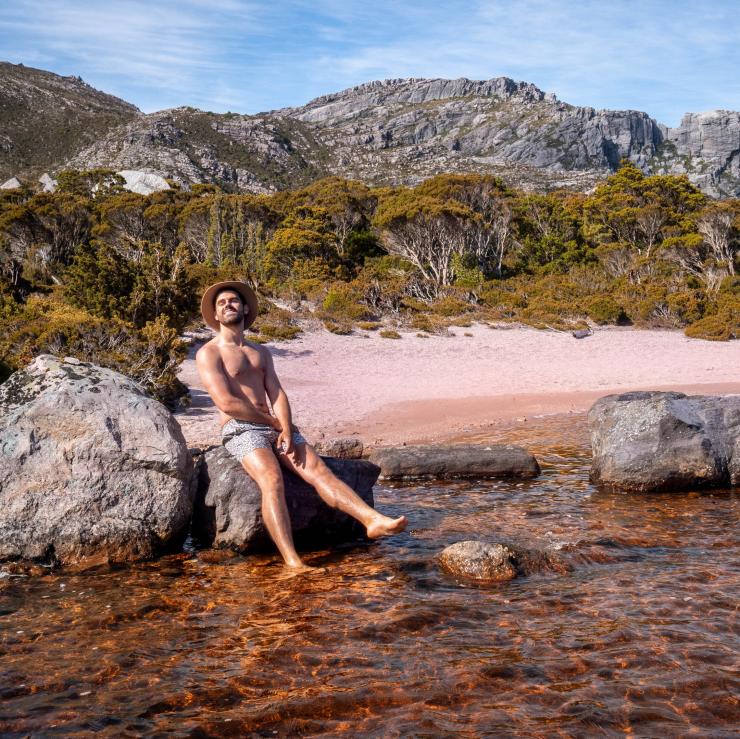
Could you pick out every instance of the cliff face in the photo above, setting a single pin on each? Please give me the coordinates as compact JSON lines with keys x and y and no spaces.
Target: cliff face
{"x":706,"y":147}
{"x":395,"y":132}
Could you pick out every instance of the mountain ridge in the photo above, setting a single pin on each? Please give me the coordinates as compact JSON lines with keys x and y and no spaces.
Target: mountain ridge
{"x":388,"y":132}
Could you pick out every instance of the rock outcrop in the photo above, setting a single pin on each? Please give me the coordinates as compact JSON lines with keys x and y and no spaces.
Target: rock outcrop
{"x":706,"y":148}
{"x":656,"y":441}
{"x":228,"y":505}
{"x":143,"y":183}
{"x":91,"y":469}
{"x":490,"y":563}
{"x":443,"y":462}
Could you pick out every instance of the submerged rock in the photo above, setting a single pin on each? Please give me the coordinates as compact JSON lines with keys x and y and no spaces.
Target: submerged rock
{"x":657,"y":441}
{"x":228,"y":504}
{"x":490,"y":563}
{"x":454,"y":461}
{"x":91,"y":469}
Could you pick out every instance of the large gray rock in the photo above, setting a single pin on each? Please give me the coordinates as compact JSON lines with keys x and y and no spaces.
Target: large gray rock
{"x":645,"y":441}
{"x":444,"y":462}
{"x":91,"y":469}
{"x":228,"y":505}
{"x":490,"y":563}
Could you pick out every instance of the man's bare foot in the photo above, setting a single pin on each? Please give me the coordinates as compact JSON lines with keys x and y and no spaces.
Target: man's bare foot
{"x":384,"y":526}
{"x":292,"y":571}
{"x":298,"y":566}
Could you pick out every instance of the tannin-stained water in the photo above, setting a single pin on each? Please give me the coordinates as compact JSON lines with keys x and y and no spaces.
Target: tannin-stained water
{"x":640,"y":638}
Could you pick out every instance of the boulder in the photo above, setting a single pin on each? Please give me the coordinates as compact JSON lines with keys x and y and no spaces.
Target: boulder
{"x":91,"y":469}
{"x":47,"y":182}
{"x":228,"y":505}
{"x":12,"y":184}
{"x":490,"y":563}
{"x":345,"y":447}
{"x":658,"y":441}
{"x":143,"y":183}
{"x":454,"y":461}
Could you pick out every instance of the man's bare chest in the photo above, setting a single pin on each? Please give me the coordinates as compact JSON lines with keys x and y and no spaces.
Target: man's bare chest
{"x":242,"y":366}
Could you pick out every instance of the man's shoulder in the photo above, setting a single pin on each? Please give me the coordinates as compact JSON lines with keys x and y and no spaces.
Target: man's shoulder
{"x":262,"y":350}
{"x":207,"y":351}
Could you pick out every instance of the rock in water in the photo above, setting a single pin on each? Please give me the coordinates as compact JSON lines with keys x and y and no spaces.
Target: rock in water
{"x":91,"y":469}
{"x":490,"y":563}
{"x":443,"y":462}
{"x":228,"y":504}
{"x":653,"y":441}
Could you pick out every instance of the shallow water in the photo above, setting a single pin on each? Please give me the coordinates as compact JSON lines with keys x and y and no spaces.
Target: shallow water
{"x":640,"y":638}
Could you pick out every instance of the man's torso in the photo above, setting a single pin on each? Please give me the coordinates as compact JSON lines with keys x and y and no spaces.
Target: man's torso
{"x":244,"y":367}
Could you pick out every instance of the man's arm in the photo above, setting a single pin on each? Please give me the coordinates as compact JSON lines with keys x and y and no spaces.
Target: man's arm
{"x":280,"y":404}
{"x":212,"y":373}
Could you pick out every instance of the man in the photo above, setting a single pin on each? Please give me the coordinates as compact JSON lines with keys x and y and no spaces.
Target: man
{"x":240,"y":377}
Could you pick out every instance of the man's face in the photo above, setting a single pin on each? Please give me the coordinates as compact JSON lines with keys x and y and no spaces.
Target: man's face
{"x":229,"y":308}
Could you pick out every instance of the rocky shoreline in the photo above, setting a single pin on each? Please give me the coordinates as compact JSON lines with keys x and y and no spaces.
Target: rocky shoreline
{"x":95,"y":472}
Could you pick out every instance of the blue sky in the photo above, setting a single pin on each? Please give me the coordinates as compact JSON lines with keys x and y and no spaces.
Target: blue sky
{"x":247,"y":56}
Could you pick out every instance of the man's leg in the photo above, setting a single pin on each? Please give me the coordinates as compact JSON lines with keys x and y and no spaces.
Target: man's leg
{"x":337,"y":494}
{"x":262,"y":466}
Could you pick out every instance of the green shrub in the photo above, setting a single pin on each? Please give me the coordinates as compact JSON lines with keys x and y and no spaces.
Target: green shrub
{"x":712,"y":328}
{"x":341,"y":329}
{"x":278,"y":331}
{"x":450,"y":306}
{"x":369,"y":325}
{"x":150,"y":355}
{"x":342,"y":302}
{"x":604,"y":309}
{"x":388,"y":333}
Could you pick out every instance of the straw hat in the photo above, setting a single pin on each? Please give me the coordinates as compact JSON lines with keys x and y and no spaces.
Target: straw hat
{"x":207,"y":308}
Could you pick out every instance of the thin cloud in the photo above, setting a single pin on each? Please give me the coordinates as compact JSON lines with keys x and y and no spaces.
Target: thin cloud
{"x":655,"y":55}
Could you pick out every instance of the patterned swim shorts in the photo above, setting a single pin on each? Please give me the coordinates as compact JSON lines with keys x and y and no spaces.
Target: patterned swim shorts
{"x":242,"y":437}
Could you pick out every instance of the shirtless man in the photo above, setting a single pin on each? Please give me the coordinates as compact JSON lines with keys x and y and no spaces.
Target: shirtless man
{"x":240,"y":377}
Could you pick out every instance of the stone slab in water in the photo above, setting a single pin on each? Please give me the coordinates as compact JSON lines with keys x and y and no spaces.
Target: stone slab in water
{"x":454,"y":461}
{"x":91,"y":468}
{"x":228,"y":504}
{"x":490,"y":563}
{"x":661,"y":441}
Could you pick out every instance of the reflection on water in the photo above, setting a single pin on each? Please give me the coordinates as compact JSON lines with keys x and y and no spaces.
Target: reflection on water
{"x":642,"y":636}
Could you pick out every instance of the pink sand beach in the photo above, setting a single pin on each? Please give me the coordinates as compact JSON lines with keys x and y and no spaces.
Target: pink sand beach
{"x":388,"y":391}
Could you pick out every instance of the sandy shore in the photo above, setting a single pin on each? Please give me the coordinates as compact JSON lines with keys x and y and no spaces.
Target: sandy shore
{"x":388,"y":391}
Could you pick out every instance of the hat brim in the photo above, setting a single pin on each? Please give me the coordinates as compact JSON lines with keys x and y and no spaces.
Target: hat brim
{"x":208,"y":311}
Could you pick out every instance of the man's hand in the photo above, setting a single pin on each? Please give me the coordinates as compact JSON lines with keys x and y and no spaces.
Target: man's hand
{"x":285,"y":442}
{"x":275,"y":423}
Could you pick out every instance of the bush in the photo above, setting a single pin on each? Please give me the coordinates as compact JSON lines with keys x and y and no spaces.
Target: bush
{"x":450,"y":306}
{"x":712,"y":328}
{"x":369,"y":325}
{"x":149,"y":355}
{"x":341,"y":329}
{"x":604,"y":309}
{"x":342,"y":301}
{"x":388,"y":333}
{"x":278,"y":332}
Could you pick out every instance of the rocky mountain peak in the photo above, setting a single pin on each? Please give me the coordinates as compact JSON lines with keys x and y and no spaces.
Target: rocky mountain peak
{"x":392,"y":131}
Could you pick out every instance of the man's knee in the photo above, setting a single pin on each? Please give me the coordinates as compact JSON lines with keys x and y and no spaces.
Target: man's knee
{"x":265,"y":472}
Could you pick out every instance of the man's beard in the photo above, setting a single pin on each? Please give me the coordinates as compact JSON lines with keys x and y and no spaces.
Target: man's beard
{"x":229,"y":319}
